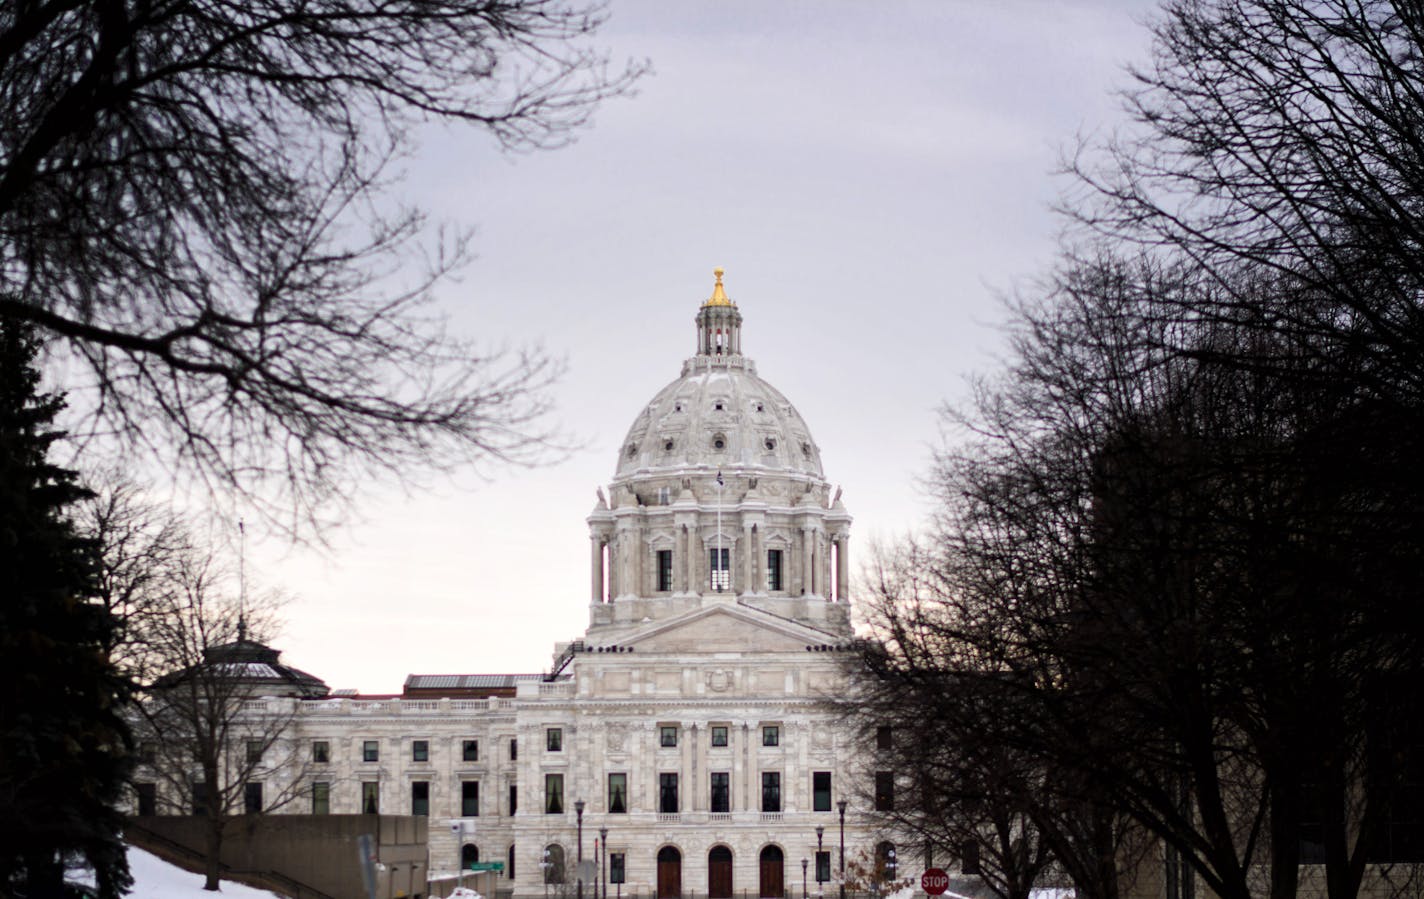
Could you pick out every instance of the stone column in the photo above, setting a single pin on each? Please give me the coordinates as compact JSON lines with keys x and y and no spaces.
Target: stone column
{"x":596,"y":568}
{"x":692,"y":560}
{"x":676,"y":557}
{"x":808,"y":553}
{"x":748,"y":585}
{"x":843,"y":568}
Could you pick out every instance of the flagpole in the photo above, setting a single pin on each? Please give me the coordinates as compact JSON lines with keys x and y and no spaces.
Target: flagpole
{"x":717,"y":569}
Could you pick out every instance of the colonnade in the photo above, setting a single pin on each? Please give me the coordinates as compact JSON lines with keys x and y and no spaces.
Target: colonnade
{"x":617,"y":562}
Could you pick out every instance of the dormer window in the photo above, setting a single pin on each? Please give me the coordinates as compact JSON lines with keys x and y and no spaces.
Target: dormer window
{"x":719,"y":442}
{"x":760,"y":407}
{"x":770,"y":444}
{"x":632,"y":450}
{"x":718,"y":406}
{"x":667,"y":446}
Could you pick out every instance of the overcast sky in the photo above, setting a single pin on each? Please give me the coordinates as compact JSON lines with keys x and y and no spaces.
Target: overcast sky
{"x":873,"y":176}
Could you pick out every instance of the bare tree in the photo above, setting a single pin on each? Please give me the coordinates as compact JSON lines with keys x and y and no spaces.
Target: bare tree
{"x":214,"y":726}
{"x":144,"y":546}
{"x":194,"y":204}
{"x":1172,"y":575}
{"x":1284,"y":135}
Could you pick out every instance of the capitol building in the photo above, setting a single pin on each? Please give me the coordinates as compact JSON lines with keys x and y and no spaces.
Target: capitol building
{"x":684,"y":741}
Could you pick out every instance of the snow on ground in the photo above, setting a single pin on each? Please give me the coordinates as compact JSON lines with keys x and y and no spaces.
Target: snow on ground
{"x":155,"y":878}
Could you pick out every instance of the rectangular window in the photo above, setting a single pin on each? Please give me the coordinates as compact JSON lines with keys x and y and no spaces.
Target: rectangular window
{"x":667,"y":736}
{"x":321,"y":798}
{"x":617,"y":794}
{"x":770,"y":791}
{"x":721,"y":792}
{"x":147,"y":753}
{"x":719,"y":735}
{"x":616,"y":869}
{"x":420,"y":751}
{"x":821,"y":791}
{"x":883,"y":738}
{"x":823,"y":866}
{"x":252,"y":798}
{"x":371,"y":751}
{"x":513,"y":802}
{"x":720,"y":565}
{"x":420,"y":798}
{"x":885,"y":791}
{"x":254,"y":751}
{"x":773,"y":571}
{"x":969,"y":857}
{"x":470,"y":750}
{"x":469,"y":799}
{"x":553,"y":794}
{"x":664,"y":570}
{"x":147,"y":798}
{"x":771,"y":735}
{"x":513,"y":750}
{"x":554,"y":739}
{"x":321,"y":752}
{"x":667,"y":794}
{"x":200,"y":798}
{"x":370,"y":798}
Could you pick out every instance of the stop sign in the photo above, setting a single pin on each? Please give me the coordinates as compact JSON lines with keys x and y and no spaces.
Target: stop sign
{"x":934,"y":881}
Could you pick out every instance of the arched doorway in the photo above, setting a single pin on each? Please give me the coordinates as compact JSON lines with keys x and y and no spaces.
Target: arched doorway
{"x":669,"y":873}
{"x":773,"y":877}
{"x":469,"y":854}
{"x":885,"y":864}
{"x":553,"y":863}
{"x":719,"y":873}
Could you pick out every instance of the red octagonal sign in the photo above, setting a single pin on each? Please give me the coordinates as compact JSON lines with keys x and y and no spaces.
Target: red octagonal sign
{"x":934,"y":881}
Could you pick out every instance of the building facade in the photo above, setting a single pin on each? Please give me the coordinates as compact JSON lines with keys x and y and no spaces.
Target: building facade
{"x":684,"y":742}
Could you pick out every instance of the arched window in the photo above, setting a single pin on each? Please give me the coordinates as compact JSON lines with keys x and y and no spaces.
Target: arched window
{"x":553,"y":863}
{"x":469,"y":855}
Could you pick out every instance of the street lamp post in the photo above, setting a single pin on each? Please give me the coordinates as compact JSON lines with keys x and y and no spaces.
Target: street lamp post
{"x":842,"y":806}
{"x":820,"y":881}
{"x":603,"y":841}
{"x":804,"y":863}
{"x":578,"y":811}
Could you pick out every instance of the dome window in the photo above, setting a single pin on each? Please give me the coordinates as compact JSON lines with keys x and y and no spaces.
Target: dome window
{"x":719,"y":442}
{"x":677,"y":407}
{"x":806,"y":450}
{"x":667,"y":445}
{"x":632,"y":450}
{"x":770,"y":444}
{"x":717,"y":406}
{"x":761,"y":407}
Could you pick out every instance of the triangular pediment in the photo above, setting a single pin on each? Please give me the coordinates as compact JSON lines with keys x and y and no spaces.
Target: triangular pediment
{"x":726,"y":629}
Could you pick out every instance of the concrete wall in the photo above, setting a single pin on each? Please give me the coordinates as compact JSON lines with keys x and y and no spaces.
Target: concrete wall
{"x":318,"y":850}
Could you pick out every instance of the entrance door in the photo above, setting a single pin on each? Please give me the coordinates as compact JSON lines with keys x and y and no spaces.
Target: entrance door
{"x":772,"y":879}
{"x":719,"y":873}
{"x":669,"y":873}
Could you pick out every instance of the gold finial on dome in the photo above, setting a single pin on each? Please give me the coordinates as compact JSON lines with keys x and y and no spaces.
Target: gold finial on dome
{"x":719,"y":296}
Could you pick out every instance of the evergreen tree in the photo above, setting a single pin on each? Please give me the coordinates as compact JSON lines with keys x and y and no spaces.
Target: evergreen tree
{"x":63,"y":744}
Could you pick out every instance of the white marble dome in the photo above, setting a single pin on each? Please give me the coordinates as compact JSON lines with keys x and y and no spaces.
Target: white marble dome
{"x":718,"y":415}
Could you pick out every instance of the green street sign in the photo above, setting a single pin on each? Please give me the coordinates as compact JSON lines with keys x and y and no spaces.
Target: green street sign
{"x":486,"y":866}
